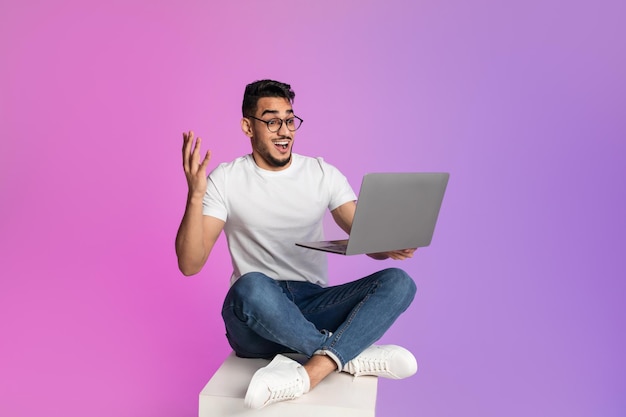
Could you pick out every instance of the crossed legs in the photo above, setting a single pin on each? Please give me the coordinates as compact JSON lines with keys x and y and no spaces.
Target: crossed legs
{"x":331,"y":326}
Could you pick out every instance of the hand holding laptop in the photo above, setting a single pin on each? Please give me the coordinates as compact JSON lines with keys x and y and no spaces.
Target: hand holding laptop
{"x":397,"y":255}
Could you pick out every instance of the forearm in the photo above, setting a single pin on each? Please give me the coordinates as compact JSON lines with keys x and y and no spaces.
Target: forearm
{"x":190,"y":247}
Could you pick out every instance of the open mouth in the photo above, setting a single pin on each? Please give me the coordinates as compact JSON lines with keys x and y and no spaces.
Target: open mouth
{"x":281,"y":144}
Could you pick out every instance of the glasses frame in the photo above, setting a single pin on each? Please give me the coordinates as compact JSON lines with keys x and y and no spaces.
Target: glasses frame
{"x":267,"y":122}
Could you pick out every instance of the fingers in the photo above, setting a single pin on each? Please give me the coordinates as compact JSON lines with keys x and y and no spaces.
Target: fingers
{"x":191,"y":156}
{"x":187,"y":141}
{"x":205,"y":161}
{"x":195,"y":156}
{"x":191,"y":151}
{"x":400,"y":255}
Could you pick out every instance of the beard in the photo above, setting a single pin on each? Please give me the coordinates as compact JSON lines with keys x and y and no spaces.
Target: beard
{"x":277,"y":163}
{"x":269,"y":159}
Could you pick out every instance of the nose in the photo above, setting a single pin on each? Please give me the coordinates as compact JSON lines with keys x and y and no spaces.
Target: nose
{"x":283,"y":131}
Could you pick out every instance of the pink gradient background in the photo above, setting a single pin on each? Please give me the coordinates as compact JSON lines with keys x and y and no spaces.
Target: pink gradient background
{"x":521,"y":298}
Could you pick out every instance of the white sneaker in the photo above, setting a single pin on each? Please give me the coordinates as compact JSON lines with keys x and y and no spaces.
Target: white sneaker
{"x":283,"y":379}
{"x":387,"y":361}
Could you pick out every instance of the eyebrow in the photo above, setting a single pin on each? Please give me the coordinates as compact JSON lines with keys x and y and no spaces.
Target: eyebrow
{"x":275,"y":112}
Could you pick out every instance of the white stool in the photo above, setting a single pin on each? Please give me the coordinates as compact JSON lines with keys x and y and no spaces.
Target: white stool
{"x":340,"y":394}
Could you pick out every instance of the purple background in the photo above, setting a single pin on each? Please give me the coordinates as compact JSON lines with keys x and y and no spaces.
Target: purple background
{"x":521,"y":297}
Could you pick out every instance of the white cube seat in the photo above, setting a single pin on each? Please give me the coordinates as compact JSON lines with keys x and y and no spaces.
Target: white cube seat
{"x":340,"y":394}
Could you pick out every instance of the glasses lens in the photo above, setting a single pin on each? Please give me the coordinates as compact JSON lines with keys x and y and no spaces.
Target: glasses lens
{"x":293,"y":123}
{"x":274,"y":125}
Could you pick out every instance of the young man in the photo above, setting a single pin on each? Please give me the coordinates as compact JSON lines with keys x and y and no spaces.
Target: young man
{"x":279,"y":300}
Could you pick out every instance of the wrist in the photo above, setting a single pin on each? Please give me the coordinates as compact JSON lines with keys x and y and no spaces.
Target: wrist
{"x":195,"y":197}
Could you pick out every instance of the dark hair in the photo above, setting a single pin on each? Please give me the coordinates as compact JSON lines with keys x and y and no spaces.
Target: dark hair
{"x":264,"y":88}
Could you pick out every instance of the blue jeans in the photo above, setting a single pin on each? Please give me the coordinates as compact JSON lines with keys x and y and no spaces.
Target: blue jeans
{"x":264,"y":317}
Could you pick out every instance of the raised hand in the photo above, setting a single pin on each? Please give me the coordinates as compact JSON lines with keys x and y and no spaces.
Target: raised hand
{"x":195,"y":171}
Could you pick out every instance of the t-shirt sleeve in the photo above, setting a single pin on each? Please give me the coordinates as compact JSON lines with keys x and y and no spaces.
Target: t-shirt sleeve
{"x":214,"y":201}
{"x":340,"y":190}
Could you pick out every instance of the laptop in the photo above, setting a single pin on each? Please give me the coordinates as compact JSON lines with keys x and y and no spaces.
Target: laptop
{"x":395,"y":211}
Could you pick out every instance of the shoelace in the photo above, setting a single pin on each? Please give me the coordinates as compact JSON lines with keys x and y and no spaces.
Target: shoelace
{"x":367,"y":365}
{"x":287,"y":392}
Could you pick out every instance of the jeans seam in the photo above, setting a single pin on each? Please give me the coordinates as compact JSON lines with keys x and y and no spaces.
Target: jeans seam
{"x":337,"y":336}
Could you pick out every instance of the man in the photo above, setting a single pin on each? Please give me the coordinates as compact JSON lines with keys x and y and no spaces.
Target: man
{"x":279,"y":300}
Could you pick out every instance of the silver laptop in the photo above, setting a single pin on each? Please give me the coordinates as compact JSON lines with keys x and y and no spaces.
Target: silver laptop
{"x":395,"y":211}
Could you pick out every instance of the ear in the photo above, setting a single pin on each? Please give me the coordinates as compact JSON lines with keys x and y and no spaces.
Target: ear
{"x":246,"y":127}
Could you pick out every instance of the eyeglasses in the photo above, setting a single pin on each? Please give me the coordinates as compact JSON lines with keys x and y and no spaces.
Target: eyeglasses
{"x":274,"y":125}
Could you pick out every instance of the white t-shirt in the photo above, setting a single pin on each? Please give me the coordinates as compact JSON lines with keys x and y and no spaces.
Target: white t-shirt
{"x":266,"y":212}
